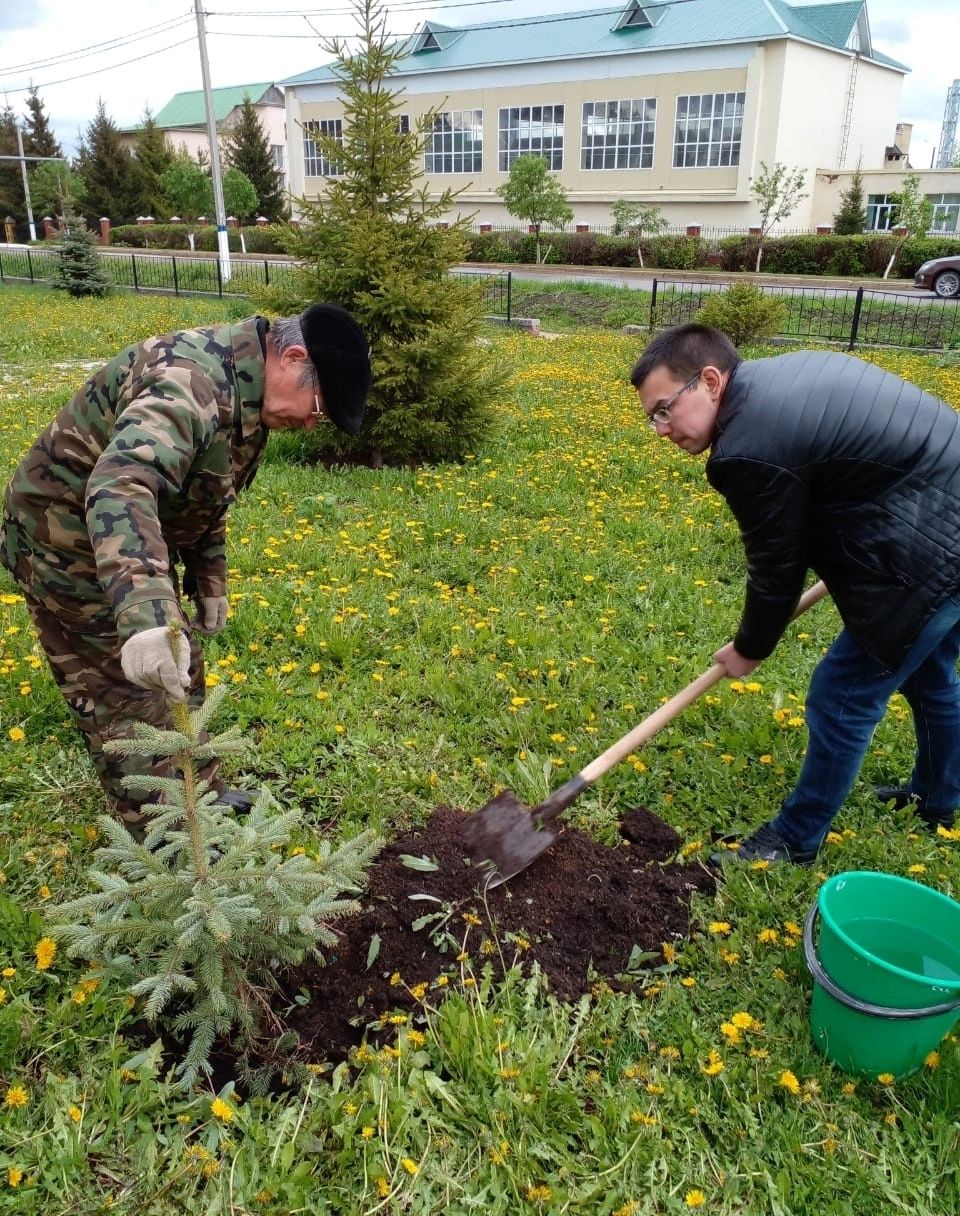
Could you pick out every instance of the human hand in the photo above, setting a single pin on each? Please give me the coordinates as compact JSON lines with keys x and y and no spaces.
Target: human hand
{"x":211,"y":613}
{"x":729,"y":657}
{"x":148,"y":661}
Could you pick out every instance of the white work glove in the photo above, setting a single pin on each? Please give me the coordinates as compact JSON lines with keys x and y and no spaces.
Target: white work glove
{"x":147,"y":661}
{"x":211,"y":613}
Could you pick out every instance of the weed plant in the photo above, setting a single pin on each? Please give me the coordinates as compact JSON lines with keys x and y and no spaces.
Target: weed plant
{"x":421,"y":636}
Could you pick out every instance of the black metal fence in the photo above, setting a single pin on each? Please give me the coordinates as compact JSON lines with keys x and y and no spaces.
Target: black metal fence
{"x":186,"y":275}
{"x":853,"y":317}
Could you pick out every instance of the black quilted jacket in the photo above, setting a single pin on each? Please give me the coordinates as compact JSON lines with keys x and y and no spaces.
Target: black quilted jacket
{"x":831,"y":464}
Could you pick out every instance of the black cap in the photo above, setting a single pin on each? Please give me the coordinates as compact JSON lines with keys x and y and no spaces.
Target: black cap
{"x":341,"y":357}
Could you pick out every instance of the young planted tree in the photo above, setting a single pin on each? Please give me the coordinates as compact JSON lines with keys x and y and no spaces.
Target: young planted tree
{"x":851,"y":219}
{"x":533,"y":194}
{"x":637,"y":220}
{"x":79,"y":270}
{"x":199,"y":918}
{"x":38,"y":136}
{"x":248,"y":149}
{"x":914,"y":216}
{"x":54,"y":187}
{"x":154,"y":156}
{"x":778,"y":191}
{"x":372,"y":243}
{"x":187,"y":192}
{"x":239,"y":195}
{"x":113,"y":178}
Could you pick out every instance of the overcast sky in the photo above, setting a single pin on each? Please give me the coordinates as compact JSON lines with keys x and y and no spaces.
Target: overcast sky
{"x":48,"y":42}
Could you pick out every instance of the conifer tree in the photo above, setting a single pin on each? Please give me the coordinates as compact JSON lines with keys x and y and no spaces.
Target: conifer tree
{"x":372,"y":243}
{"x":199,"y":917}
{"x":154,"y":156}
{"x":851,"y":219}
{"x":248,"y":149}
{"x":11,"y":184}
{"x":113,"y":178}
{"x":79,"y":270}
{"x":38,"y":136}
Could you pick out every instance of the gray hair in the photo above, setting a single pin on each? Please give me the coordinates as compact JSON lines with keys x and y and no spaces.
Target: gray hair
{"x":287,"y":332}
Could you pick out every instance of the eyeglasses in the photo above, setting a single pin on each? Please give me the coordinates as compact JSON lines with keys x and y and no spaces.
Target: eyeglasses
{"x":661,"y":414}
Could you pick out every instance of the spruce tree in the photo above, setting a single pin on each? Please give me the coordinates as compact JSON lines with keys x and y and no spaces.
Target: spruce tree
{"x":851,"y":219}
{"x":79,"y":270}
{"x":248,"y":149}
{"x":200,"y":917}
{"x":372,"y":243}
{"x":113,"y":178}
{"x":154,"y":156}
{"x":38,"y":136}
{"x":12,"y":201}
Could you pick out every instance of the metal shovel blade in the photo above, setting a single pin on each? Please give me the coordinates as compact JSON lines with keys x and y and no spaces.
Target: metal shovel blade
{"x":503,"y":838}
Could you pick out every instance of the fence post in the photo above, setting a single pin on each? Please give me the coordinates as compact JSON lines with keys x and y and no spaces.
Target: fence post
{"x":133,"y":263}
{"x":1,"y":268}
{"x":509,"y":296}
{"x":266,"y":272}
{"x":856,"y":318}
{"x":653,"y":304}
{"x":176,"y":286}
{"x":29,"y":264}
{"x":219,"y":280}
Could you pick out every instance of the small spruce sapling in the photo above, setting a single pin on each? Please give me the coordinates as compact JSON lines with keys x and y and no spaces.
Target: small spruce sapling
{"x":206,"y":909}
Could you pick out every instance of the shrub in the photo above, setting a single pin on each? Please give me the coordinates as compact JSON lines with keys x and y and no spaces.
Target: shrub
{"x":744,"y":313}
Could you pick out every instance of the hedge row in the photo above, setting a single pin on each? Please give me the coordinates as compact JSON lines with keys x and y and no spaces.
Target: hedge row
{"x":812,"y":255}
{"x":175,"y":236}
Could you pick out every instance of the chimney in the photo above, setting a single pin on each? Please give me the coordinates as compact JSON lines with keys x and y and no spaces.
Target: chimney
{"x":902,"y":139}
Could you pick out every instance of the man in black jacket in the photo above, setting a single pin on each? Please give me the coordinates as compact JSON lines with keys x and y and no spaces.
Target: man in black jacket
{"x":831,"y":464}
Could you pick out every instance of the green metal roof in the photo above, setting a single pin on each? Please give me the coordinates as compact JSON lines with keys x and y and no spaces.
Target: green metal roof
{"x":692,"y":23}
{"x":187,"y":109}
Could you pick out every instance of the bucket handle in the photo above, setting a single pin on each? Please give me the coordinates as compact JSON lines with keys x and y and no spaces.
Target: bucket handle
{"x":815,"y":967}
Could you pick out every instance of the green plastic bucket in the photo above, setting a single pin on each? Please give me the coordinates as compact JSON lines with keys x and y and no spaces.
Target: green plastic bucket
{"x":886,"y":973}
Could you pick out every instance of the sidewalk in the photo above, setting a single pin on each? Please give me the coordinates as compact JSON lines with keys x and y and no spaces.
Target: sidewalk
{"x":634,"y":277}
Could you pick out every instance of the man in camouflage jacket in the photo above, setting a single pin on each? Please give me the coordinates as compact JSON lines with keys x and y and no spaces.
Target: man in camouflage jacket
{"x":135,"y":477}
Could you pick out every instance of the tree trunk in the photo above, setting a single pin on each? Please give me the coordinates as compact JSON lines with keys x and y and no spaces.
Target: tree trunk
{"x":756,"y":269}
{"x":640,"y":256}
{"x":536,"y":229}
{"x":893,"y":258}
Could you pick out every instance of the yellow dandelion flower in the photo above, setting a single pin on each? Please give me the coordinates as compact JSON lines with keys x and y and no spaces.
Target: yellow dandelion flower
{"x":16,"y":1095}
{"x":539,"y":1194}
{"x":886,"y":1078}
{"x":731,"y":1033}
{"x":14,"y":1175}
{"x":719,"y":926}
{"x":694,"y":1199}
{"x":16,"y":734}
{"x":850,"y":1087}
{"x":222,"y":1110}
{"x":769,"y":936}
{"x":410,"y":1166}
{"x":789,"y":1082}
{"x":688,"y":981}
{"x":46,"y":952}
{"x":8,"y":972}
{"x":366,"y":1133}
{"x":75,"y":1113}
{"x":931,"y":1060}
{"x":890,"y":1119}
{"x":714,"y":1065}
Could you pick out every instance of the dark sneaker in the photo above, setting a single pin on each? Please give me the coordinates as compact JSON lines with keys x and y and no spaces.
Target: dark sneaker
{"x":764,"y":844}
{"x":239,"y":801}
{"x":902,"y":799}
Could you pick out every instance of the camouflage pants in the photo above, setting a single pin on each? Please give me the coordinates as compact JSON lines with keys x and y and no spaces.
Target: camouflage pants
{"x":86,"y":665}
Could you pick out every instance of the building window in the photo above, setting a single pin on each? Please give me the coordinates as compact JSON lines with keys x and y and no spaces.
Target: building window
{"x":537,"y":129}
{"x":403,"y":124}
{"x":708,"y":130}
{"x":881,"y":212}
{"x":455,"y":145}
{"x":315,"y":164}
{"x":277,"y":152}
{"x":946,"y":212}
{"x":618,"y":134}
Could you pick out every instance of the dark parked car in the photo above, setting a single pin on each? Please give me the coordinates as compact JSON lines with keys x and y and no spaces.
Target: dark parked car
{"x":942,"y":275}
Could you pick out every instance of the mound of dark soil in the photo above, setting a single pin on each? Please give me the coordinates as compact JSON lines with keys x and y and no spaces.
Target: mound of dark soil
{"x":580,"y":909}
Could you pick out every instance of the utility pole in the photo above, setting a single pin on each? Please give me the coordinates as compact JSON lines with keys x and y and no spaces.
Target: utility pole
{"x":26,"y":184}
{"x":223,"y":244}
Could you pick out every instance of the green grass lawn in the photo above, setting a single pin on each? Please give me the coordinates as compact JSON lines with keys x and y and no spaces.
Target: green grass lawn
{"x":405,"y":638}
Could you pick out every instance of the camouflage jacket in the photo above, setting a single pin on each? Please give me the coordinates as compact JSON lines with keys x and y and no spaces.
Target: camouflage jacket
{"x":137,"y":471}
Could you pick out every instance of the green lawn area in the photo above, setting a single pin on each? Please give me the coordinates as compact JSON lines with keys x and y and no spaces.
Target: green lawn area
{"x":405,"y":638}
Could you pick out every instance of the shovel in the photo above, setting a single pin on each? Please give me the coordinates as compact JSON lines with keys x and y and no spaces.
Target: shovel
{"x":504,"y":837}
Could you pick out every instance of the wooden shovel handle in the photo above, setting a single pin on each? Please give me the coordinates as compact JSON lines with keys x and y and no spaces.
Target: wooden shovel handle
{"x":653,"y":723}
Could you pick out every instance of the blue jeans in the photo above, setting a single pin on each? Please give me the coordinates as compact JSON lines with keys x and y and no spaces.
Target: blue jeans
{"x":848,"y":696}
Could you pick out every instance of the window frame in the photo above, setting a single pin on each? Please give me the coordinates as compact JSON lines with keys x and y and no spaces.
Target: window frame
{"x":618,"y":133}
{"x":467,"y":132}
{"x":316,"y":158}
{"x":699,"y":144}
{"x":536,"y":123}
